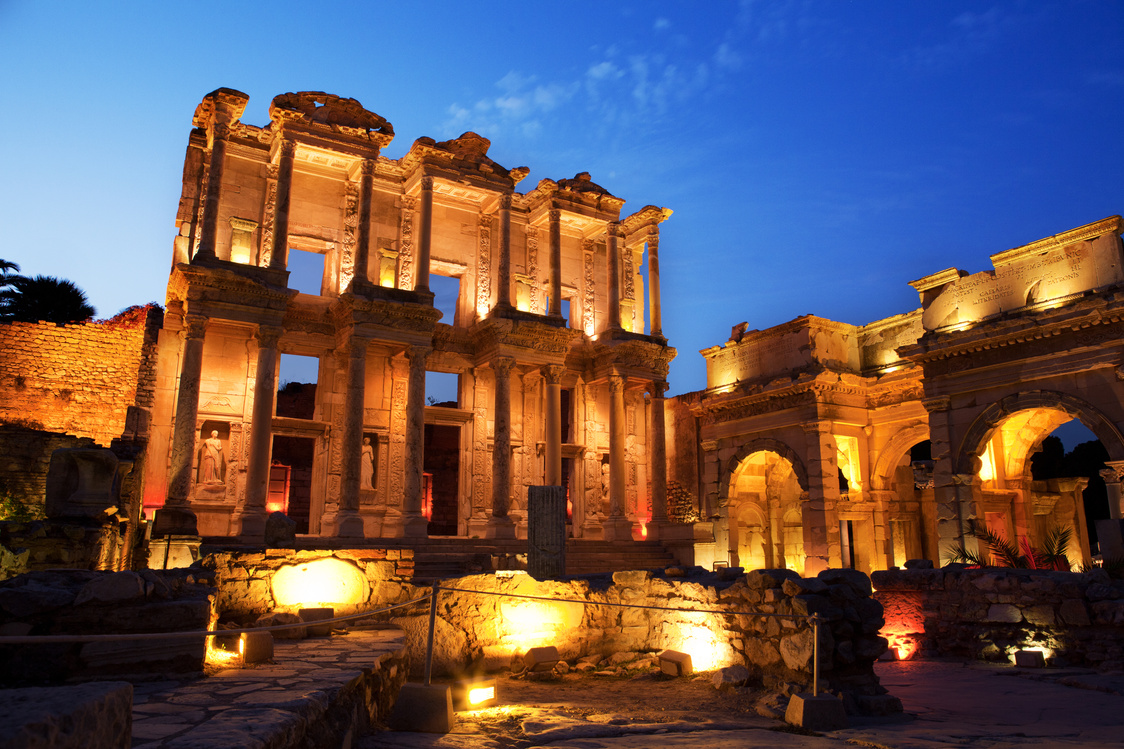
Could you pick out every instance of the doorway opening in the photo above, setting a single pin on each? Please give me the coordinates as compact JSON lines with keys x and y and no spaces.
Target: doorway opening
{"x":442,"y":471}
{"x":290,"y":478}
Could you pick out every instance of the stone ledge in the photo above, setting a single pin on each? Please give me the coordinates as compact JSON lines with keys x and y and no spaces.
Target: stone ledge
{"x":97,"y":715}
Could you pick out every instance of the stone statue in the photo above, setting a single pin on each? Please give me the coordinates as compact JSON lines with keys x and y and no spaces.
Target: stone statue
{"x":211,"y":460}
{"x":367,"y":466}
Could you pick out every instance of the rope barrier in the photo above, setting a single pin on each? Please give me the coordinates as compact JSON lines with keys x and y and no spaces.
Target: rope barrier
{"x":50,"y":639}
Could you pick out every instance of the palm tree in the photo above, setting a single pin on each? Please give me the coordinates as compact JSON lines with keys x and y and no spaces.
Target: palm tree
{"x":41,"y":298}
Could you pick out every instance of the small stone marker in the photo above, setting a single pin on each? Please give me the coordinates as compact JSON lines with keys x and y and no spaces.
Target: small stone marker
{"x":546,"y":532}
{"x":423,"y":708}
{"x":675,"y":663}
{"x":820,"y":713}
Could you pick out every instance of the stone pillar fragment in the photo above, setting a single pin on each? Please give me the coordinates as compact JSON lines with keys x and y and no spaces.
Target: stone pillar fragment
{"x":617,"y":527}
{"x":546,"y":532}
{"x":555,"y":262}
{"x":553,"y":437}
{"x":1112,"y":475}
{"x":176,"y":517}
{"x":500,"y":525}
{"x":414,"y":524}
{"x":425,"y":234}
{"x":253,"y":515}
{"x":278,"y":257}
{"x":614,"y":275}
{"x":345,"y":522}
{"x":658,"y":448}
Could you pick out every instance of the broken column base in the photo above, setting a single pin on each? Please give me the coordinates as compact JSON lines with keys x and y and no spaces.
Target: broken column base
{"x":822,"y":712}
{"x":423,"y":709}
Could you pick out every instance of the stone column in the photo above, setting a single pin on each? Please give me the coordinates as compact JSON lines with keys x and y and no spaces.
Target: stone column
{"x":821,"y":524}
{"x":553,"y":437}
{"x":176,"y":517}
{"x":964,"y":518}
{"x":500,"y":525}
{"x":503,"y":295}
{"x":617,"y":527}
{"x":614,"y":275}
{"x":363,"y":238}
{"x":345,"y":522}
{"x":253,"y":515}
{"x":425,"y":234}
{"x":1112,"y":475}
{"x":278,"y":257}
{"x":658,"y":451}
{"x":220,"y":132}
{"x":654,"y":282}
{"x":414,"y":524}
{"x":555,"y":262}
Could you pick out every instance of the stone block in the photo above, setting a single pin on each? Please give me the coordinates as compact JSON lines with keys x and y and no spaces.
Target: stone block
{"x":729,"y":678}
{"x":315,"y":615}
{"x":1003,"y":612}
{"x":820,"y":713}
{"x":98,"y":715}
{"x":1073,"y":612}
{"x":257,"y":647}
{"x":280,"y":531}
{"x":1030,"y":659}
{"x":423,"y":708}
{"x":114,"y":588}
{"x":546,"y":532}
{"x":674,"y":663}
{"x":858,"y":581}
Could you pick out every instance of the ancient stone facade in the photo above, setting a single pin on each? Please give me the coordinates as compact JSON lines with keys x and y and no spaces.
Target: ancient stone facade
{"x":821,"y":444}
{"x":549,"y":312}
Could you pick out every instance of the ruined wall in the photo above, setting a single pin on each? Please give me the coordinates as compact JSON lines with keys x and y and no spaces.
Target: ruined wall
{"x":1075,"y":618}
{"x":25,"y":456}
{"x":79,"y":379}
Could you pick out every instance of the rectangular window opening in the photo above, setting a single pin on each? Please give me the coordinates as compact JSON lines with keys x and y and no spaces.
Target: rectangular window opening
{"x":306,"y":271}
{"x":446,"y":292}
{"x":296,"y":388}
{"x":442,"y":389}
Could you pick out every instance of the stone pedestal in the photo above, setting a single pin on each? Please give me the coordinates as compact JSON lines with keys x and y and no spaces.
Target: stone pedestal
{"x":546,"y":532}
{"x":423,"y":708}
{"x":821,"y":713}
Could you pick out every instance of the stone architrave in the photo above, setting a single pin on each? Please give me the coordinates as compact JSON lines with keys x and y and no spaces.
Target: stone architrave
{"x":546,"y":532}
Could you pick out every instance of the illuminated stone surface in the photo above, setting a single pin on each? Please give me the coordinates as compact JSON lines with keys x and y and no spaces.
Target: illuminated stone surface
{"x":321,"y":581}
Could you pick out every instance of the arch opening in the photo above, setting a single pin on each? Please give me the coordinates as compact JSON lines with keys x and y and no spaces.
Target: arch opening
{"x":763,"y":514}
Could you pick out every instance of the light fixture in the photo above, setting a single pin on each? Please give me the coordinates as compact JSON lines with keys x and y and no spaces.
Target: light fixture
{"x":541,"y":659}
{"x":474,"y":694}
{"x":256,"y":647}
{"x":675,"y":663}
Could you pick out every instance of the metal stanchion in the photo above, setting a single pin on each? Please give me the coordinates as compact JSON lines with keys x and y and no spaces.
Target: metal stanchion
{"x":815,"y":655}
{"x":432,"y":626}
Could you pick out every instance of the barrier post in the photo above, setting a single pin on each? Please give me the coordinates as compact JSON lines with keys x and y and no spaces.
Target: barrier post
{"x":815,"y":654}
{"x":429,"y":644}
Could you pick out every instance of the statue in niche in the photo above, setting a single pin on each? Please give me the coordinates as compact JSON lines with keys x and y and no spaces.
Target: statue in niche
{"x":367,"y":466}
{"x":211,"y":460}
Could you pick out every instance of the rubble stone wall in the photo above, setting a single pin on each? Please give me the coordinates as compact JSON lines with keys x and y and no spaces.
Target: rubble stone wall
{"x":80,"y":602}
{"x":79,"y":379}
{"x":987,"y":614}
{"x":25,"y":456}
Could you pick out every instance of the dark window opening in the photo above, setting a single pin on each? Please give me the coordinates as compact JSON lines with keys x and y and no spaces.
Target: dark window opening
{"x":442,"y":467}
{"x":567,"y":426}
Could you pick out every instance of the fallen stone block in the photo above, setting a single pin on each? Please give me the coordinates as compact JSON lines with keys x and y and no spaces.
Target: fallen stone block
{"x":97,"y":715}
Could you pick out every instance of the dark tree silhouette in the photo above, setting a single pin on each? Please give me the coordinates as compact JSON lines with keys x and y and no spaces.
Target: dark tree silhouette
{"x":43,"y":298}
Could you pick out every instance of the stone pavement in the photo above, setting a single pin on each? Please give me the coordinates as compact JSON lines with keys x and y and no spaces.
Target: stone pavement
{"x":311,"y":691}
{"x":948,"y":704}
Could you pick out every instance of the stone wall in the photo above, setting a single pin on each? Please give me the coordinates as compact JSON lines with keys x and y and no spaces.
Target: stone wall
{"x":987,"y":614}
{"x":486,"y":631}
{"x":25,"y":456}
{"x":62,"y":544}
{"x":79,"y":602}
{"x":82,"y":378}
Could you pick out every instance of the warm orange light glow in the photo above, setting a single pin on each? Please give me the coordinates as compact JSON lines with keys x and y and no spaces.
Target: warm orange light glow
{"x":697,"y":638}
{"x":219,"y":656}
{"x":481,"y":694}
{"x":529,"y":624}
{"x":274,"y":507}
{"x":327,"y":582}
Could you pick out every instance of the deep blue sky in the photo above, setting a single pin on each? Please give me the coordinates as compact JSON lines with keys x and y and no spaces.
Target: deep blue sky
{"x":817,"y":155}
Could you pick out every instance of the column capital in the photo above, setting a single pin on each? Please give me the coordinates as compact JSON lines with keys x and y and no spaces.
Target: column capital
{"x":555,"y":215}
{"x":367,"y":168}
{"x":287,"y":148}
{"x":963,"y":479}
{"x":357,"y":348}
{"x":552,"y":373}
{"x":502,"y":365}
{"x":220,"y":131}
{"x":505,"y":201}
{"x":1113,"y":471}
{"x":268,"y":335}
{"x":616,"y":384}
{"x":194,"y":327}
{"x":937,"y":403}
{"x":426,"y":182}
{"x":657,"y":388}
{"x":817,"y":427}
{"x":418,"y":356}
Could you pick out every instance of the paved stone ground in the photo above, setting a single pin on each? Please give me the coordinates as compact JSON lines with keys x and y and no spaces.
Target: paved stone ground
{"x":260,"y":705}
{"x":947,"y":705}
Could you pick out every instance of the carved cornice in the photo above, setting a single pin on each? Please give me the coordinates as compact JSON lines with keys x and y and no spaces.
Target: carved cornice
{"x":385,"y":315}
{"x":220,"y":285}
{"x":523,"y":339}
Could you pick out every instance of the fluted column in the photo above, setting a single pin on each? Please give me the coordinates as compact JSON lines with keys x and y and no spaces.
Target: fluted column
{"x":617,"y":526}
{"x":345,"y":522}
{"x":279,"y":251}
{"x":555,"y":263}
{"x":658,"y":449}
{"x":253,"y":515}
{"x":363,"y":235}
{"x":414,"y":523}
{"x":611,"y":246}
{"x":500,"y":525}
{"x":654,"y":312}
{"x":176,"y":516}
{"x":425,"y":234}
{"x":553,"y":437}
{"x":503,"y":297}
{"x":1112,"y":474}
{"x":220,"y":132}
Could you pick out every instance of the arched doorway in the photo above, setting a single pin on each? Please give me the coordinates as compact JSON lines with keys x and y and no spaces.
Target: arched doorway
{"x":902,"y":484}
{"x":761,"y":513}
